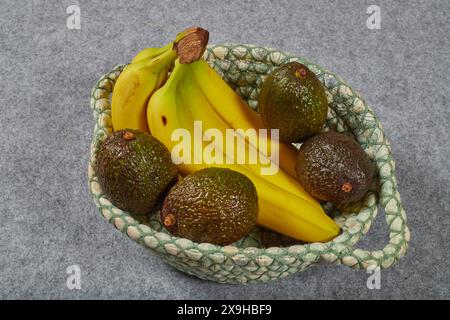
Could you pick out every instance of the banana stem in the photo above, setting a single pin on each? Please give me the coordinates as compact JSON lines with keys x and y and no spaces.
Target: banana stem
{"x":176,"y":76}
{"x":167,"y":47}
{"x":160,"y":62}
{"x":151,"y":53}
{"x":190,"y":44}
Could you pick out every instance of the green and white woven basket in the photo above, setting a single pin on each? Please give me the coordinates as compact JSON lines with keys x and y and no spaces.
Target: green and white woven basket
{"x":264,"y":255}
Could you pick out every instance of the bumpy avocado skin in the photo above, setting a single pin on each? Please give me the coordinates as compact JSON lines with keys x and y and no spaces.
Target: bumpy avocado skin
{"x":293,"y":100}
{"x":214,"y":205}
{"x":136,"y":173}
{"x":329,"y":160}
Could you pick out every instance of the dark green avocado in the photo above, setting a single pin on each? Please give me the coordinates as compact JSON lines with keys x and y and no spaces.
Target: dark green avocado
{"x":333,"y":167}
{"x":293,"y":100}
{"x":214,"y":205}
{"x":134,"y":170}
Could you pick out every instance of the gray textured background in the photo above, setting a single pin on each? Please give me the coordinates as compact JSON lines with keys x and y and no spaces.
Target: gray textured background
{"x":48,"y":218}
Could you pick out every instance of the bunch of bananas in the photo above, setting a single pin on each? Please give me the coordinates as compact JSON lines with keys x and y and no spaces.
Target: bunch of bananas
{"x":144,"y":100}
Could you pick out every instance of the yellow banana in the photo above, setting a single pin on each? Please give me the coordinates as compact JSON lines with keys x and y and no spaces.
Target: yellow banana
{"x":273,"y":200}
{"x":233,"y":109}
{"x":180,"y":102}
{"x":166,"y":113}
{"x":133,"y":88}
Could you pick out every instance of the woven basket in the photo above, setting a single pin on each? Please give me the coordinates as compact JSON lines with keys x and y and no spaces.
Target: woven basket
{"x":264,"y":255}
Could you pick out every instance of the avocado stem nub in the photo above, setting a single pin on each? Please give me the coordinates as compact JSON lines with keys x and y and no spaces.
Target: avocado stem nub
{"x":300,"y":73}
{"x":127,"y":135}
{"x":347,"y":187}
{"x":169,"y":220}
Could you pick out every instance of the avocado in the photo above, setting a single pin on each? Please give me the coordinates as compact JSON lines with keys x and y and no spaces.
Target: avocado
{"x":293,"y":100}
{"x":333,"y":167}
{"x":214,"y":205}
{"x":134,"y":170}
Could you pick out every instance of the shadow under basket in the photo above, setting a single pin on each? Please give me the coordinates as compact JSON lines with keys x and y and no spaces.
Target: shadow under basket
{"x":264,"y":255}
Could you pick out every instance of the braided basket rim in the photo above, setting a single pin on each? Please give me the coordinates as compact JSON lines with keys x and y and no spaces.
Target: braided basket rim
{"x":348,"y":110}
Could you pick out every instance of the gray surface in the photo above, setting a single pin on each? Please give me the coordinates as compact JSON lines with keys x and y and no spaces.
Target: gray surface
{"x":48,"y":218}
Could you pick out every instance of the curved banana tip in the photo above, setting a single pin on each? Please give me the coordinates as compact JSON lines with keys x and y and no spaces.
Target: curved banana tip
{"x":191,"y":46}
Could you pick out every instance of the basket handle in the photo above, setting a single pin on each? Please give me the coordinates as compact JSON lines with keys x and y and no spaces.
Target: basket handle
{"x":399,"y":236}
{"x":384,"y":258}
